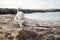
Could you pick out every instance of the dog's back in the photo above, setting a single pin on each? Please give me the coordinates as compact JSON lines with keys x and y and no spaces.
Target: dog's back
{"x":20,"y":18}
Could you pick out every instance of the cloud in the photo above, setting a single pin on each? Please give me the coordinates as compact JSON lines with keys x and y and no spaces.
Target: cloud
{"x":30,"y":4}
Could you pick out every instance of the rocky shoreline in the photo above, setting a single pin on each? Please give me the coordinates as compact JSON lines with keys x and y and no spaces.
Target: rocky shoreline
{"x":32,"y":30}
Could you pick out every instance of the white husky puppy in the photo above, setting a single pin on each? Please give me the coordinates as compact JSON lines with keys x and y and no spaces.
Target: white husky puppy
{"x":20,"y":18}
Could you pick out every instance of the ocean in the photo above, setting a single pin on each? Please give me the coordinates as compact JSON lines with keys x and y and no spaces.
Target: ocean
{"x":47,"y":16}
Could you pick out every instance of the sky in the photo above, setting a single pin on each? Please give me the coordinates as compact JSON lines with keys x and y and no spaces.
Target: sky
{"x":30,"y":4}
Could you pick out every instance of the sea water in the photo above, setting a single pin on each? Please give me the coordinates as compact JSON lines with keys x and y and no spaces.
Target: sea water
{"x":47,"y":16}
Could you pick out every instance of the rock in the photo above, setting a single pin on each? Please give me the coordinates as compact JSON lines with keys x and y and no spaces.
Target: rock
{"x":32,"y":30}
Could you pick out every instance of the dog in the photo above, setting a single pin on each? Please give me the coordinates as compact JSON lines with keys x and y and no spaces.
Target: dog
{"x":19,"y":18}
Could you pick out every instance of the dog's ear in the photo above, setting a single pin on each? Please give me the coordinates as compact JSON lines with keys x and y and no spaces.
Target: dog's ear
{"x":18,"y":9}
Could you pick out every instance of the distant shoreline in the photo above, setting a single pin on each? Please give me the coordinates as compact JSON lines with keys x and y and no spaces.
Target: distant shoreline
{"x":26,"y":11}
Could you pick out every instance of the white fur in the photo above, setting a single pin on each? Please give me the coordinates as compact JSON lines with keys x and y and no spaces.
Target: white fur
{"x":20,"y":18}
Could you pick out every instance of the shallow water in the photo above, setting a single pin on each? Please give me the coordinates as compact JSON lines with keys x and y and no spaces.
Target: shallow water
{"x":51,"y":16}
